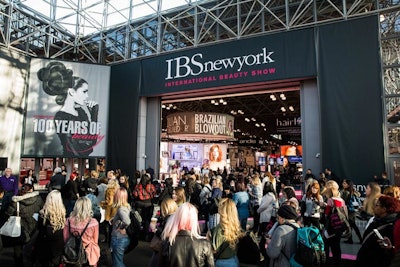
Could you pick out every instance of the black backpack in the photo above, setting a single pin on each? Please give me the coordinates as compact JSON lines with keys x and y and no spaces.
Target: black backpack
{"x":195,"y":197}
{"x":133,"y":230}
{"x":248,"y":251}
{"x":338,"y":222}
{"x":74,"y":251}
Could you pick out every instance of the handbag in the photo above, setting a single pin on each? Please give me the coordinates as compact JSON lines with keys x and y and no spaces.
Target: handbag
{"x":156,"y":243}
{"x":12,"y":226}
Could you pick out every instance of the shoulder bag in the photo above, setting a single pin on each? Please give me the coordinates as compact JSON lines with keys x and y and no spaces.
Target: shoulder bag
{"x":12,"y":227}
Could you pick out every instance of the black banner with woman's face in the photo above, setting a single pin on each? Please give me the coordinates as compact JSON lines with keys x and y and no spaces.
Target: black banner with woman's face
{"x":67,"y":110}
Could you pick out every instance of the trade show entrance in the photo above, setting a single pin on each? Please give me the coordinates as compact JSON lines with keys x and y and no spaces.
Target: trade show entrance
{"x":269,"y":129}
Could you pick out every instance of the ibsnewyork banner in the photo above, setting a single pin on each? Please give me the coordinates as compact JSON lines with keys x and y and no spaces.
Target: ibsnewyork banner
{"x":67,"y":110}
{"x":259,"y":59}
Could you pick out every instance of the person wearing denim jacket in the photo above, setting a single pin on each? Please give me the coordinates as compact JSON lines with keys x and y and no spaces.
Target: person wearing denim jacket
{"x":121,"y":220}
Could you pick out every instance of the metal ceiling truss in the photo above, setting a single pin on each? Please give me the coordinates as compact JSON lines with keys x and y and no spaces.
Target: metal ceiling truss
{"x":194,"y":24}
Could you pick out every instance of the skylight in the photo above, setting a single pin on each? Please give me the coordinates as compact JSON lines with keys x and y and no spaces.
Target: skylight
{"x":85,"y":17}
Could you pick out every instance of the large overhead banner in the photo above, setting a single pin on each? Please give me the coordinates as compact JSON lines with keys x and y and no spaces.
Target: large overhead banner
{"x":67,"y":110}
{"x":259,"y":59}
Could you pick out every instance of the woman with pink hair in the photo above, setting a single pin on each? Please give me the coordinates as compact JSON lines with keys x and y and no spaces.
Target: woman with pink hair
{"x":184,"y":245}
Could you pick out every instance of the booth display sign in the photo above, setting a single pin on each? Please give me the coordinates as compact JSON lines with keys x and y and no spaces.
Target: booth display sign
{"x":207,"y":125}
{"x":289,"y":125}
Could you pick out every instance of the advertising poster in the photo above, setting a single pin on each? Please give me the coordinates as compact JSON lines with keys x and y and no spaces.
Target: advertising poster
{"x":164,"y":155}
{"x":67,"y":110}
{"x":186,"y":155}
{"x":290,"y":150}
{"x":215,"y":156}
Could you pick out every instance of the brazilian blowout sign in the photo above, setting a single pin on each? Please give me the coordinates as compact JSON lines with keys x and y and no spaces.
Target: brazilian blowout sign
{"x":200,"y":123}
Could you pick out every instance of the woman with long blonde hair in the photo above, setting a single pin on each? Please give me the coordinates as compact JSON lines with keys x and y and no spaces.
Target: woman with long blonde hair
{"x":108,"y":205}
{"x":119,"y":238}
{"x":82,"y":217}
{"x":372,"y":193}
{"x":226,"y":234}
{"x":51,"y":221}
{"x":269,"y":178}
{"x":332,"y":240}
{"x":180,"y":196}
{"x":167,"y":208}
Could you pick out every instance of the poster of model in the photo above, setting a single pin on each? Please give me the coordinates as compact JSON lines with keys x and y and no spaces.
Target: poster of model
{"x":67,"y":110}
{"x":215,"y":156}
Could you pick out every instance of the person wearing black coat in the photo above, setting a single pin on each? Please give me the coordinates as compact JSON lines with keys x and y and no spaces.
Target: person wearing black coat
{"x":183,"y":244}
{"x":167,"y":192}
{"x":30,"y":203}
{"x":49,"y":245}
{"x":57,"y":180}
{"x":371,"y":253}
{"x":70,"y":193}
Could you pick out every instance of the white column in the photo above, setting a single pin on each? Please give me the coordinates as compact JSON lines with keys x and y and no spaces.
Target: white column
{"x":141,"y":136}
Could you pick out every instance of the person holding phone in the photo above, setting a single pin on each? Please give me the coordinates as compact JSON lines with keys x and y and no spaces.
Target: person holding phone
{"x":385,"y":243}
{"x":372,"y":253}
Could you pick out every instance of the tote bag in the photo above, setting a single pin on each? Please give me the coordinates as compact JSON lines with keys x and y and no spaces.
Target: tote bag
{"x":12,"y":227}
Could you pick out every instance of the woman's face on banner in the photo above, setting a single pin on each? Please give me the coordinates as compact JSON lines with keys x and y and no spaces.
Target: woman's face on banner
{"x":81,"y":94}
{"x":215,"y":153}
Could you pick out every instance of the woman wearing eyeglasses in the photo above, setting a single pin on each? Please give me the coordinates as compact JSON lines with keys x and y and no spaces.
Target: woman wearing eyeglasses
{"x":371,"y":253}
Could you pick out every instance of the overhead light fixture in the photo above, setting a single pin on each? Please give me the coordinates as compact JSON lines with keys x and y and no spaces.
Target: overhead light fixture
{"x":221,"y":101}
{"x":247,"y":119}
{"x":253,"y":119}
{"x":257,"y":125}
{"x":263,"y":124}
{"x":212,"y":101}
{"x":273,"y":98}
{"x":240,"y":111}
{"x":225,"y":103}
{"x":282,"y":96}
{"x":283,"y":109}
{"x":291,"y":108}
{"x":163,"y":106}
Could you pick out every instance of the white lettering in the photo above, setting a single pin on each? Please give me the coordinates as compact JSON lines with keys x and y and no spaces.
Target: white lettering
{"x":186,"y":66}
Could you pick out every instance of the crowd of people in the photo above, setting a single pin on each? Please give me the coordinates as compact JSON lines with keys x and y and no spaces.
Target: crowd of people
{"x":218,"y":201}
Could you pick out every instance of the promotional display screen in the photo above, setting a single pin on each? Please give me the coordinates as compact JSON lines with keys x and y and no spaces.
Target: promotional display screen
{"x":291,"y":151}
